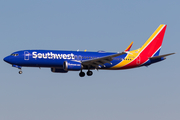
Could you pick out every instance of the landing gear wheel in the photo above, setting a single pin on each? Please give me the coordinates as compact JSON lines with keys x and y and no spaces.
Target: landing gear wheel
{"x":81,"y":74}
{"x":89,"y":73}
{"x":20,"y":72}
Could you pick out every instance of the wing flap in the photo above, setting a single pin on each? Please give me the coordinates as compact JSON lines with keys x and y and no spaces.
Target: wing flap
{"x":99,"y":63}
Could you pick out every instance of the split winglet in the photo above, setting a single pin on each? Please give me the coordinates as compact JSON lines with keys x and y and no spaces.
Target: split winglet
{"x":129,"y":47}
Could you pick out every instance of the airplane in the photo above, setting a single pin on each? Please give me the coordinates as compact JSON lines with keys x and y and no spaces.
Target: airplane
{"x":63,"y":61}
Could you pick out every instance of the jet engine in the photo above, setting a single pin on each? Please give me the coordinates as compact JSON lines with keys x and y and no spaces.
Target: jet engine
{"x":72,"y":65}
{"x":58,"y":70}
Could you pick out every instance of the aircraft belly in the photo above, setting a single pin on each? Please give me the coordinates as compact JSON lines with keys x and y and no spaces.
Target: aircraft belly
{"x":43,"y":63}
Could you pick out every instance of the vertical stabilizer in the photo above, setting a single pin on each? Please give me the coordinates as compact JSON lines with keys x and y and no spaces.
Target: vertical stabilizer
{"x":153,"y":45}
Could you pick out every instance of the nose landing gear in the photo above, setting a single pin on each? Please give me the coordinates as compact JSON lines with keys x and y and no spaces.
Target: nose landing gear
{"x":19,"y":67}
{"x":20,"y":72}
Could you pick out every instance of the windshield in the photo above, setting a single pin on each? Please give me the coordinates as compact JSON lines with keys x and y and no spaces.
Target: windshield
{"x":14,"y":54}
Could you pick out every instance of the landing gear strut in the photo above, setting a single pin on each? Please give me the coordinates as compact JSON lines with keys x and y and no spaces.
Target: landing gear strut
{"x":89,"y":73}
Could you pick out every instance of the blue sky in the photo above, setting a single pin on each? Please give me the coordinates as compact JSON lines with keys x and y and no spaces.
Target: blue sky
{"x":142,"y":93}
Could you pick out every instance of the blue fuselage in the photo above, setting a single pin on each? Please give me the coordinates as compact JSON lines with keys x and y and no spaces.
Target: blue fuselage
{"x":56,"y":58}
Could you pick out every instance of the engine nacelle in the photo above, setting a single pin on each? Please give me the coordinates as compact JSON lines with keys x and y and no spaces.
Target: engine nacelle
{"x":72,"y":65}
{"x":58,"y":70}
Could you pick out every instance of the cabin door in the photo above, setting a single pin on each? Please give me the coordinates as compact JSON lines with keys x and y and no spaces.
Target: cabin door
{"x":26,"y":55}
{"x":138,"y":61}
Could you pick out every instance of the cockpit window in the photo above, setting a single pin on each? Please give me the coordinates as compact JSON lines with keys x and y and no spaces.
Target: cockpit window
{"x":14,"y":54}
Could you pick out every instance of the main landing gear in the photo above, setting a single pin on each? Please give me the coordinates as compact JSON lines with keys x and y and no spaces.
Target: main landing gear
{"x":82,"y":74}
{"x":89,"y":73}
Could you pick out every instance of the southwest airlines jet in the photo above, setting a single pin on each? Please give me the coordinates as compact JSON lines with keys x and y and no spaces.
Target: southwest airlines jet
{"x":63,"y":61}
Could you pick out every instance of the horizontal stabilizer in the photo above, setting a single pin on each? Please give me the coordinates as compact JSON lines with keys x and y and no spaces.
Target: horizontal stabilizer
{"x":160,"y":56}
{"x":129,"y":47}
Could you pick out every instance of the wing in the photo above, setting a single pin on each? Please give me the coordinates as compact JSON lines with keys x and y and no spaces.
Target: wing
{"x":101,"y":60}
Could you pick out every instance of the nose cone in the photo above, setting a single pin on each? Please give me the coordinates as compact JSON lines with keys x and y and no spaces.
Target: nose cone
{"x":7,"y":59}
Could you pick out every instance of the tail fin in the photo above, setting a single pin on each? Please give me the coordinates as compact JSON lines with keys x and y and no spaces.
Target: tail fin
{"x":153,"y":45}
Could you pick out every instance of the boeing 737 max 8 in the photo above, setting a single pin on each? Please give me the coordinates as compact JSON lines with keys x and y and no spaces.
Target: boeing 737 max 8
{"x":64,"y":61}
